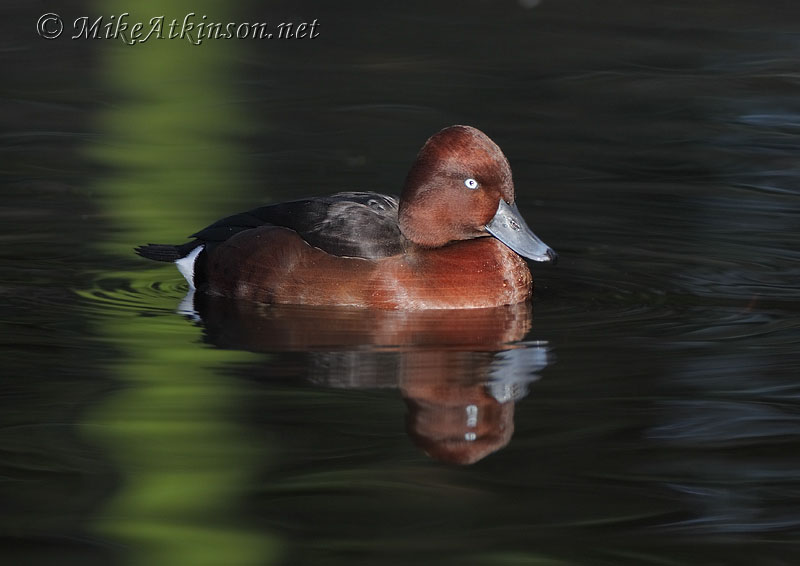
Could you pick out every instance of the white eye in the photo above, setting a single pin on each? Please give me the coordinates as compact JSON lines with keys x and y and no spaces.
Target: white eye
{"x":471,"y":184}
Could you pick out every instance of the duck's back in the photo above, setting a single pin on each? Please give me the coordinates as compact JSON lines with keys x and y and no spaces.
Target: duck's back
{"x":351,"y":224}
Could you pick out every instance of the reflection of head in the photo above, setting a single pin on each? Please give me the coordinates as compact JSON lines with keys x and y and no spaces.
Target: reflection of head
{"x":460,"y":431}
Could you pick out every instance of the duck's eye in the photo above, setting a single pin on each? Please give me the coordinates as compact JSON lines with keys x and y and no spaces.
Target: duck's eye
{"x":471,"y":184}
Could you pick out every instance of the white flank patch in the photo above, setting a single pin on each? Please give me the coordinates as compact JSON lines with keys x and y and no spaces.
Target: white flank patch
{"x":186,"y":265}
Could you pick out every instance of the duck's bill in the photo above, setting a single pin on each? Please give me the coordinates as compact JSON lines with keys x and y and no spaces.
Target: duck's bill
{"x":509,"y":227}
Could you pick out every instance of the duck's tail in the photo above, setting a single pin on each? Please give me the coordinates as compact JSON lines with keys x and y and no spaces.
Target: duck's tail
{"x":166,"y":252}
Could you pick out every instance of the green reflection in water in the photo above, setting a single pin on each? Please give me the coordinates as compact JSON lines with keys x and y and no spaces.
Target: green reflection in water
{"x":183,"y":459}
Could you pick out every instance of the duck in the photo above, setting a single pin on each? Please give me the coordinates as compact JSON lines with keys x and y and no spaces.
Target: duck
{"x":454,"y":239}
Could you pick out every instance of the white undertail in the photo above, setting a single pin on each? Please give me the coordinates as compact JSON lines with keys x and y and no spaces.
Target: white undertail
{"x":186,"y":265}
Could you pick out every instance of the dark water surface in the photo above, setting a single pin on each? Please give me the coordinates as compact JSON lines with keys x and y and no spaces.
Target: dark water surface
{"x":645,"y":409}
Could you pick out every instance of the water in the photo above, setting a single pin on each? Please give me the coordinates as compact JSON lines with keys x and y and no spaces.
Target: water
{"x":643,"y":410}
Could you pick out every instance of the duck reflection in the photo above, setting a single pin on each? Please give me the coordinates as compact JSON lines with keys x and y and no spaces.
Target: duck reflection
{"x":459,"y":371}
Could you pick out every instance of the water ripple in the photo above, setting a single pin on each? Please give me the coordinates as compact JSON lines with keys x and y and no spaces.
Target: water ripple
{"x":120,"y":293}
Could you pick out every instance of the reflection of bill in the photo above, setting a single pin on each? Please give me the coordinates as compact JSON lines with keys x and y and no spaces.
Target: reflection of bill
{"x":460,"y":371}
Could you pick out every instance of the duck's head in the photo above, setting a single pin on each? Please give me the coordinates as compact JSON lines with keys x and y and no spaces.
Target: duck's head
{"x":459,"y":188}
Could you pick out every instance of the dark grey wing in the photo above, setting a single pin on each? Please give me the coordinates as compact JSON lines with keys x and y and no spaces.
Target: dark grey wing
{"x":357,"y":225}
{"x":352,"y":224}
